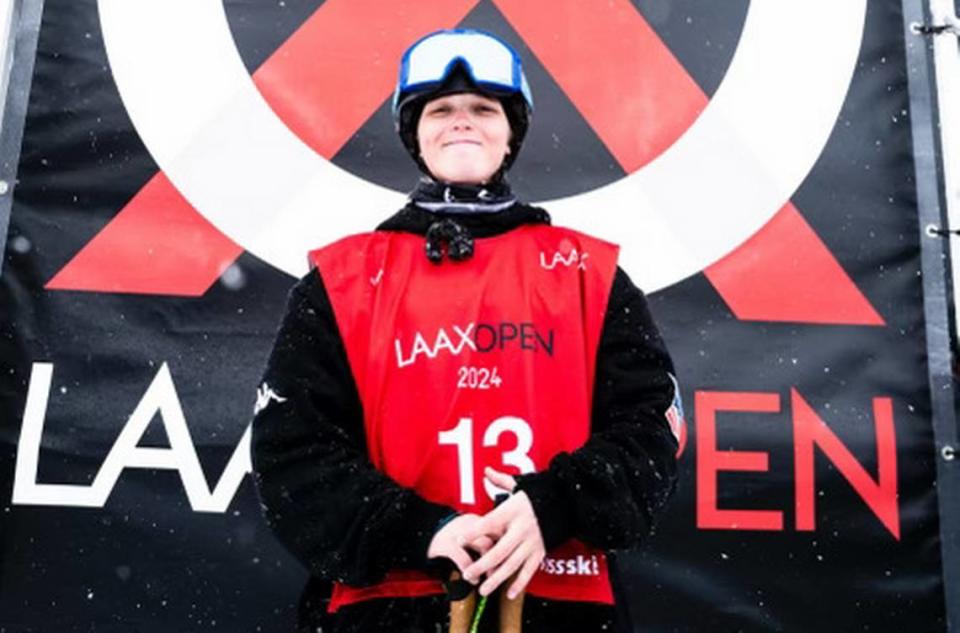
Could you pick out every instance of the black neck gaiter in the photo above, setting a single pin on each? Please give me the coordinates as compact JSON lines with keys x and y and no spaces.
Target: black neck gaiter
{"x":434,"y":196}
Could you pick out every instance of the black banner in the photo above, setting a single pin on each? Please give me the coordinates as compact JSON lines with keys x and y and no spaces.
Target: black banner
{"x":754,"y":162}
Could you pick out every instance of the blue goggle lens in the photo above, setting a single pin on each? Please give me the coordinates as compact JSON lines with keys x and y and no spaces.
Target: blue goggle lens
{"x":489,"y":61}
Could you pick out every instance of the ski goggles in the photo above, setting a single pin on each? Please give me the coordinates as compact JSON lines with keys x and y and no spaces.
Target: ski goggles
{"x":490,"y":62}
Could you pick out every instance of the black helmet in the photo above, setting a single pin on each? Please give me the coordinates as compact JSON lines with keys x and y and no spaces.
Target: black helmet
{"x":461,"y":60}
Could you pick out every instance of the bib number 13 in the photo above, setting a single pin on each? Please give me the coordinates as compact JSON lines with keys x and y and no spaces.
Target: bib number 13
{"x":461,"y":436}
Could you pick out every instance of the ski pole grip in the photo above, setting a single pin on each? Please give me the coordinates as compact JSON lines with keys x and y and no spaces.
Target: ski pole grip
{"x":461,"y":611}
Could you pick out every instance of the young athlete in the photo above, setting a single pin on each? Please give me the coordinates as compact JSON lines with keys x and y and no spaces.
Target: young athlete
{"x":466,"y":392}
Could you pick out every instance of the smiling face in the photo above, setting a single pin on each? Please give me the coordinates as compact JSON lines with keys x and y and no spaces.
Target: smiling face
{"x":463,"y":137}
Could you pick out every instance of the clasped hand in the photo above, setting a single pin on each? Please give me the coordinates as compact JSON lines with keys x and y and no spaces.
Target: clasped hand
{"x":507,"y":538}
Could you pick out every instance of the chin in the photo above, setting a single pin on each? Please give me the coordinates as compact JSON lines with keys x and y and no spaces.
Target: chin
{"x":465,"y":176}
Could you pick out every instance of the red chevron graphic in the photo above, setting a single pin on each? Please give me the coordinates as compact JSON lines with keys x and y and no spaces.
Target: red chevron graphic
{"x":160,"y":244}
{"x":632,"y":90}
{"x":783,"y":273}
{"x":636,"y":121}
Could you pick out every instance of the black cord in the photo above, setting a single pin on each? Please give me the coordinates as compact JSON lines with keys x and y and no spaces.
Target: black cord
{"x":931,"y":29}
{"x":934,"y":230}
{"x":934,"y":29}
{"x":456,"y":238}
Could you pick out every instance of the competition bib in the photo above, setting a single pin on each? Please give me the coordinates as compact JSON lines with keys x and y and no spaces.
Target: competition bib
{"x":463,"y":365}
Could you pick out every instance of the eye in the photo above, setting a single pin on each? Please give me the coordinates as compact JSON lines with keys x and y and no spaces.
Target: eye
{"x":439,"y":109}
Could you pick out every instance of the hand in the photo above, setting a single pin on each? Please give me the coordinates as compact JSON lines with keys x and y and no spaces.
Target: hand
{"x":519,"y":543}
{"x":450,"y":542}
{"x":499,"y":479}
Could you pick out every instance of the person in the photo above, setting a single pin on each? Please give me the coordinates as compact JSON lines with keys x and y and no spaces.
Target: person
{"x":465,"y":392}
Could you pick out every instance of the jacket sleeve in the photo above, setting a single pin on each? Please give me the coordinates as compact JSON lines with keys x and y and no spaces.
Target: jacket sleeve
{"x":609,"y":492}
{"x":342,"y":518}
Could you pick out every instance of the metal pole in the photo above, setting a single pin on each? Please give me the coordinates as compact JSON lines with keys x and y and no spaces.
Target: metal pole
{"x":946,"y":55}
{"x":22,"y":18}
{"x":6,"y":48}
{"x":936,"y":297}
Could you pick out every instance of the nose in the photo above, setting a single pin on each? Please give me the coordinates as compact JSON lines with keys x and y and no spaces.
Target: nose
{"x":462,"y":119}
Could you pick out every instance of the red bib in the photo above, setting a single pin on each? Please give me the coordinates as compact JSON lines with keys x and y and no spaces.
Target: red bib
{"x":463,"y":365}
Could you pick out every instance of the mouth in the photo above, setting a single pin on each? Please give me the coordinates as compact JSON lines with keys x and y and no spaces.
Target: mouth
{"x":461,"y":142}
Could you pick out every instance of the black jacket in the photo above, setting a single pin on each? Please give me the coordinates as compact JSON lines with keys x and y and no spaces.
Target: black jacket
{"x":346,"y":521}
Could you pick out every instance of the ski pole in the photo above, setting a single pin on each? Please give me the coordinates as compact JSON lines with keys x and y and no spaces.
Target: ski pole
{"x":461,"y":610}
{"x":511,"y":611}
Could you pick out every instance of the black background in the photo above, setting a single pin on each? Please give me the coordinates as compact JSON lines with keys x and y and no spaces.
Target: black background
{"x":147,"y":562}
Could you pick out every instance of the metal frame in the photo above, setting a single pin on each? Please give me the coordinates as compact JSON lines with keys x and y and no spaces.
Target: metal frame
{"x":936,"y":290}
{"x":6,"y":49}
{"x":17,"y":74}
{"x":946,"y":54}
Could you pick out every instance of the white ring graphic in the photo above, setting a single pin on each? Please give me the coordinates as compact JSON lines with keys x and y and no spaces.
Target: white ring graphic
{"x":207,"y":126}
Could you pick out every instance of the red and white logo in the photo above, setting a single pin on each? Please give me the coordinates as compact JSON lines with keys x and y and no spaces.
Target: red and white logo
{"x":245,"y":159}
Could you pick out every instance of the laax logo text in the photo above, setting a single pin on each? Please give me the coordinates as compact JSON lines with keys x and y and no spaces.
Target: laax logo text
{"x":160,"y":400}
{"x":573,"y":258}
{"x":477,"y":337}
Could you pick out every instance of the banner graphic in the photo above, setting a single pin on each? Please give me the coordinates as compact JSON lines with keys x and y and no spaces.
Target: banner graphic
{"x":753,"y":160}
